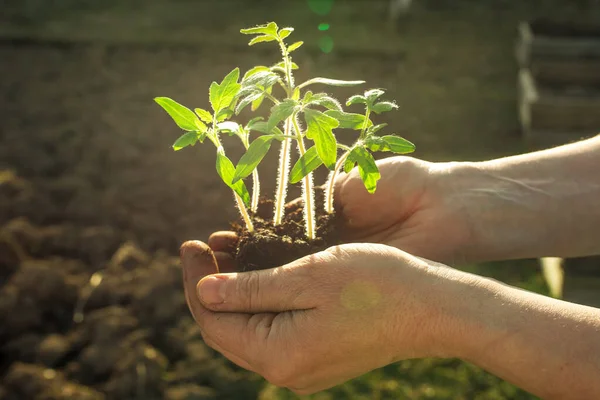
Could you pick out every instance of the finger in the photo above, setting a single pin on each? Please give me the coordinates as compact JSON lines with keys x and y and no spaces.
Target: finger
{"x":287,"y":288}
{"x":198,"y":261}
{"x":224,"y":241}
{"x":226,"y":262}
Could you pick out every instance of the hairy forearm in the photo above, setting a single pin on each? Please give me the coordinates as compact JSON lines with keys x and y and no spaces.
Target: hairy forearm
{"x":544,"y":203}
{"x":545,"y":346}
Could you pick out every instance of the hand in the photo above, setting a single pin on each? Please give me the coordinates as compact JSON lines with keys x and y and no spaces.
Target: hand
{"x":322,"y":319}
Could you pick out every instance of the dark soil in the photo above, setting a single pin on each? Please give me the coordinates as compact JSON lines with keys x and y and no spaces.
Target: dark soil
{"x":271,"y":246}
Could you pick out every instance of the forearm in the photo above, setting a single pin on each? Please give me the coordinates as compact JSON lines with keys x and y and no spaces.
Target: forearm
{"x":545,"y":203}
{"x":545,"y":346}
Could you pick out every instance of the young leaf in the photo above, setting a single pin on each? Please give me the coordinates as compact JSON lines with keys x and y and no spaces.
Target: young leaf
{"x":226,"y":170}
{"x":253,"y":71}
{"x":294,"y":46}
{"x":263,"y":38}
{"x":376,"y":128}
{"x":263,"y":79}
{"x":222,"y":95}
{"x":224,"y":114}
{"x":348,"y":120}
{"x":204,"y":115}
{"x":268,"y":29}
{"x":281,"y":66}
{"x":285,"y":32}
{"x":256,"y":103}
{"x":367,"y":168}
{"x":319,"y":128}
{"x":356,"y":99}
{"x":348,"y":165}
{"x":282,"y":111}
{"x":187,"y":139}
{"x":251,"y":98}
{"x":373,"y":94}
{"x":183,"y":116}
{"x":261,"y":126}
{"x":398,"y":145}
{"x":330,"y":82}
{"x":229,"y":127}
{"x":323,"y":100}
{"x":383,"y":106}
{"x":305,"y":165}
{"x":253,"y":156}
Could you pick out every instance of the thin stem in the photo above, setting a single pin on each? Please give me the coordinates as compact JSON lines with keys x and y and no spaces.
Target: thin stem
{"x":366,"y":123}
{"x":282,"y":174}
{"x":255,"y":191}
{"x":307,"y":188}
{"x":331,"y":182}
{"x":244,"y":212}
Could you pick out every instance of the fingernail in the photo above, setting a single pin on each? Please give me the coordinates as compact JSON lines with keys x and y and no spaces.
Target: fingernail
{"x":211,"y":290}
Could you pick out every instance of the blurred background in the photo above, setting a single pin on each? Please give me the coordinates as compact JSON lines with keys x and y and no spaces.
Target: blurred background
{"x":94,"y":203}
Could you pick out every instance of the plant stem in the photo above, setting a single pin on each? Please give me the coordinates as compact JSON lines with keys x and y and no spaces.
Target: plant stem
{"x":331,"y":182}
{"x":282,"y":174}
{"x":366,"y":123}
{"x":255,"y":191}
{"x":284,"y":154}
{"x":244,"y":212}
{"x":307,"y":188}
{"x":214,"y":137}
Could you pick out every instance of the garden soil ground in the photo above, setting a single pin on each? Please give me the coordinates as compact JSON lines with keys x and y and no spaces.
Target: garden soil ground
{"x":94,"y":204}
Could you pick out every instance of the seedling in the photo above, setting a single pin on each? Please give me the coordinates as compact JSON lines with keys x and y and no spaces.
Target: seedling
{"x":296,"y":115}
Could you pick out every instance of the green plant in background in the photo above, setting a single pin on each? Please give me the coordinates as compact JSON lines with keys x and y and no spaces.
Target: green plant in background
{"x":319,"y":113}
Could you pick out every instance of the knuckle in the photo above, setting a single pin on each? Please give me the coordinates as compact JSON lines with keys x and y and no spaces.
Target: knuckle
{"x":248,"y":288}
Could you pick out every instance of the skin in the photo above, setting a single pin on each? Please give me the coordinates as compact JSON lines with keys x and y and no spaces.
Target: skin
{"x":334,"y":315}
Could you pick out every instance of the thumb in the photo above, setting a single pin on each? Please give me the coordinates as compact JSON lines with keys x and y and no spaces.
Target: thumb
{"x":291,"y":287}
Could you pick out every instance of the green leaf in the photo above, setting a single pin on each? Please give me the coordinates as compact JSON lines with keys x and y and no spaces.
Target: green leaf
{"x":262,"y":79}
{"x":391,"y":143}
{"x":356,"y":99}
{"x":187,"y":139}
{"x":305,"y":165}
{"x":204,"y":115}
{"x":383,"y":106}
{"x":281,"y":66}
{"x":263,"y":38}
{"x":399,"y":145}
{"x":248,"y":100}
{"x":294,"y":46}
{"x":224,"y":114}
{"x":323,"y":100}
{"x":252,"y":122}
{"x":285,"y":32}
{"x":226,"y":170}
{"x":348,"y":120}
{"x":183,"y":116}
{"x":253,"y":156}
{"x":367,"y":168}
{"x":256,"y":103}
{"x":222,"y":95}
{"x":267,"y":29}
{"x":373,"y":94}
{"x":261,"y":126}
{"x":282,"y":111}
{"x":229,"y":127}
{"x":253,"y":71}
{"x":330,"y":82}
{"x":319,"y":128}
{"x":348,"y":165}
{"x":376,"y":128}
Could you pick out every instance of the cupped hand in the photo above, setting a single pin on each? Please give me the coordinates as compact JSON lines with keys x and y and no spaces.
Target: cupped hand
{"x":323,"y":319}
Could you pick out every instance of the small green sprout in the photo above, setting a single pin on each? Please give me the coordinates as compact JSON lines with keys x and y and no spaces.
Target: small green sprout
{"x":319,"y":113}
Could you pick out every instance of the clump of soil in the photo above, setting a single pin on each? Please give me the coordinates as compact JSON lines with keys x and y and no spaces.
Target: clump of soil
{"x":271,"y":246}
